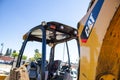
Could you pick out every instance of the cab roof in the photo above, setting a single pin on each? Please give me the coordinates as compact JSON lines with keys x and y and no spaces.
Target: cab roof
{"x":55,"y":32}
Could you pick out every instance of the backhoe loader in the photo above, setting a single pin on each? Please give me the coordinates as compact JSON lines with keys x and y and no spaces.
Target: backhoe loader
{"x":98,"y":38}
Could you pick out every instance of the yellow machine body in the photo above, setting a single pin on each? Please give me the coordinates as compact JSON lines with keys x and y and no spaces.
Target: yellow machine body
{"x":99,"y":36}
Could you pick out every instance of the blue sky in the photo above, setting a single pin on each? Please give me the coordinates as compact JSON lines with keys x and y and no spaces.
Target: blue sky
{"x":19,"y":16}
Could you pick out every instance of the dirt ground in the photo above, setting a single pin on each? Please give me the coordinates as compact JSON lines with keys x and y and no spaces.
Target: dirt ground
{"x":5,"y":68}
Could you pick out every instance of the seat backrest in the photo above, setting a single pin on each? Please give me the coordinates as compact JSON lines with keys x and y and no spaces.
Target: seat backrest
{"x":67,"y":76}
{"x":33,"y":70}
{"x":56,"y":65}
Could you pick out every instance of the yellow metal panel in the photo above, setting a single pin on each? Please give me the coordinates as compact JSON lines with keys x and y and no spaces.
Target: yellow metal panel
{"x":91,"y":51}
{"x":109,"y":58}
{"x":2,"y":77}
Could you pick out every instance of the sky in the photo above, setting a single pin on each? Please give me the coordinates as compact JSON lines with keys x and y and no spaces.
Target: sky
{"x":19,"y":16}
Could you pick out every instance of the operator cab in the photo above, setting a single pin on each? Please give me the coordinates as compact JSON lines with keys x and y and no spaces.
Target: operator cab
{"x":52,"y":34}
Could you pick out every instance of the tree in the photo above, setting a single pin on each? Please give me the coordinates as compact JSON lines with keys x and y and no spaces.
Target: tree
{"x":14,"y":54}
{"x":24,"y":57}
{"x":37,"y":54}
{"x":32,"y":59}
{"x":36,"y":51}
{"x":8,"y":52}
{"x":14,"y":51}
{"x":2,"y":45}
{"x":1,"y":54}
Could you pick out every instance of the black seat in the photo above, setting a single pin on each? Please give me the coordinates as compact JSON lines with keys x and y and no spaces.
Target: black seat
{"x":33,"y":71}
{"x":55,"y":65}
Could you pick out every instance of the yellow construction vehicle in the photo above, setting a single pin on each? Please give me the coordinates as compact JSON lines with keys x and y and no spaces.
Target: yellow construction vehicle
{"x":98,"y":41}
{"x":99,"y":33}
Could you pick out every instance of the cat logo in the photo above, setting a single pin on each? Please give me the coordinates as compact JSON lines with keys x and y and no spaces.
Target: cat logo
{"x":89,"y":25}
{"x":91,"y":21}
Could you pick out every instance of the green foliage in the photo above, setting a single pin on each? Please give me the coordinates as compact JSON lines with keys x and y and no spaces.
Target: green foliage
{"x":36,"y":51}
{"x":1,"y":54}
{"x":14,"y":54}
{"x":37,"y":55}
{"x":8,"y":52}
{"x":24,"y":57}
{"x":2,"y":44}
{"x":14,"y":51}
{"x":32,"y":59}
